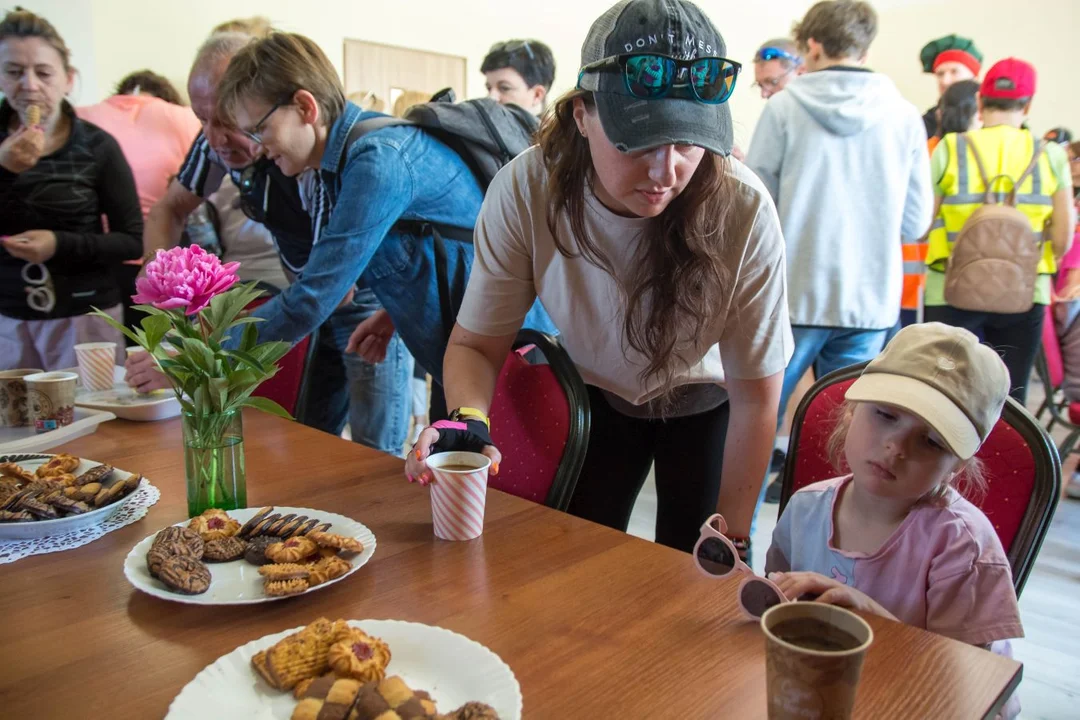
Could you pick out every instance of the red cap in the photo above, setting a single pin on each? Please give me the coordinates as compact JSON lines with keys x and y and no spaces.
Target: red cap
{"x":1009,"y":79}
{"x":959,"y":56}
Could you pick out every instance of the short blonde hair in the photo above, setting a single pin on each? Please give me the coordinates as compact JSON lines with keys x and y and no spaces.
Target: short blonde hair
{"x":407,"y":99}
{"x":257,"y":26}
{"x":845,"y":28}
{"x":273,"y":69}
{"x":970,"y":480}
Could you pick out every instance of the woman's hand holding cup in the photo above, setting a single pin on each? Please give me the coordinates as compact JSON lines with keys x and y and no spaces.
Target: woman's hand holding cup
{"x":467,"y":435}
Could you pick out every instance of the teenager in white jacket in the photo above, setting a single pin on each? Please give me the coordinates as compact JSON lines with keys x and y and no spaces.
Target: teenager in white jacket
{"x":844,"y":157}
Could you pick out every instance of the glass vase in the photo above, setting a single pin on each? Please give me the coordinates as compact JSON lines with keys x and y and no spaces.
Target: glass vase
{"x":214,"y":461}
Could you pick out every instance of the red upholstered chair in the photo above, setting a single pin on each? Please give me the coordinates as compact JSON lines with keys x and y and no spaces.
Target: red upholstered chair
{"x":1022,"y":468}
{"x":540,"y":422}
{"x":287,"y":387}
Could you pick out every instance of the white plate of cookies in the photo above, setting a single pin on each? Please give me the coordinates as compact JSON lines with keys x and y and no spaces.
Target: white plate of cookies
{"x":248,"y":556}
{"x":43,"y":495}
{"x":356,"y":669}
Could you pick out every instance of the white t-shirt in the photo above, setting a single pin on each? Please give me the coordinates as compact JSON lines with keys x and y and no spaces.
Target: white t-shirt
{"x":517,"y":260}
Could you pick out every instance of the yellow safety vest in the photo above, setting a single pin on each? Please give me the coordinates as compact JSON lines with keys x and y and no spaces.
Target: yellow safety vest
{"x":1006,"y":153}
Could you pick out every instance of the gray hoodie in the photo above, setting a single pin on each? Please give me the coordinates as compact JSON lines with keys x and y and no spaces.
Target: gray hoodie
{"x":844,"y":157}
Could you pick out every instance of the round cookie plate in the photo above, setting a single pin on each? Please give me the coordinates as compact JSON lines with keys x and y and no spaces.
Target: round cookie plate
{"x":238,"y":582}
{"x":59,"y":526}
{"x":451,"y":667}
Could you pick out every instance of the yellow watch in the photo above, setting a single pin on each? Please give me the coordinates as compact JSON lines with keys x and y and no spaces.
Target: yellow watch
{"x":471,"y":414}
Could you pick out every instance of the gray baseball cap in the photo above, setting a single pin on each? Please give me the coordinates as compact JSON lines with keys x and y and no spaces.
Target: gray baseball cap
{"x":666,"y":27}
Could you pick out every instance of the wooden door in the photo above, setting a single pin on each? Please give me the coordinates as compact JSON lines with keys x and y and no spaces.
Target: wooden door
{"x":381,"y":74}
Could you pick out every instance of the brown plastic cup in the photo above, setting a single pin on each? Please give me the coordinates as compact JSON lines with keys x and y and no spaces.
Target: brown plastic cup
{"x":813,"y":659}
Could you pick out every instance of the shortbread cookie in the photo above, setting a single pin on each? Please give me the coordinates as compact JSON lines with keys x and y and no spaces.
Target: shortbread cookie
{"x":258,"y":661}
{"x":301,"y":655}
{"x":338,"y":542}
{"x":245,"y":531}
{"x":285,"y":571}
{"x":185,"y":574}
{"x":291,"y":550}
{"x":109,"y":494}
{"x":327,"y":569}
{"x":473,"y":711}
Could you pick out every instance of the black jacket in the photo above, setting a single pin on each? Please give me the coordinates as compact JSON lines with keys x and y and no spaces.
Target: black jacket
{"x":68,"y":192}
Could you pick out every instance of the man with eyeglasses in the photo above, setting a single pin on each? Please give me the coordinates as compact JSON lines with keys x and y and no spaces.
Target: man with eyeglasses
{"x":775,"y":64}
{"x":519,"y":72}
{"x":341,"y":386}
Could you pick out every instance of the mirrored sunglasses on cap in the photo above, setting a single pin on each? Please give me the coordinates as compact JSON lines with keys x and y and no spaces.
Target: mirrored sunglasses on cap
{"x":716,"y":557}
{"x":511,"y":47}
{"x":709,"y":80}
{"x":770,"y":53}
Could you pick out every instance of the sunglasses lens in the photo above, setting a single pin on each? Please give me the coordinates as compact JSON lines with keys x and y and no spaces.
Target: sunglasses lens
{"x":649,"y":76}
{"x":716,"y":557}
{"x":758,"y":596}
{"x":713,"y":79}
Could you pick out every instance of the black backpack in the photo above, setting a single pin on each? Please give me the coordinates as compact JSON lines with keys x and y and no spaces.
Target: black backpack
{"x":486,"y":135}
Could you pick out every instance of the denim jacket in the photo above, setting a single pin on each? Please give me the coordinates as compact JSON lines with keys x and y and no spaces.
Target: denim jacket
{"x":396,"y":173}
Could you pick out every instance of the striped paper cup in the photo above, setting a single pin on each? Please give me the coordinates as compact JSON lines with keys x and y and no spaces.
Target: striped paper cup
{"x":96,"y":362}
{"x":458,"y":494}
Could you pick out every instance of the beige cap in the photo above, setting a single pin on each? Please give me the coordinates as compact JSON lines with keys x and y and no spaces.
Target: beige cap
{"x":945,"y":376}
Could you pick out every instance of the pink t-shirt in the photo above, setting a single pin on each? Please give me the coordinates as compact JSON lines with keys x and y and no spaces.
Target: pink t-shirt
{"x":1068,"y":261}
{"x":154,"y":136}
{"x":943,"y":569}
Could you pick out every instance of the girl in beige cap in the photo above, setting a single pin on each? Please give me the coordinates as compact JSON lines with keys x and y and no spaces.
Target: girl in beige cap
{"x":893,"y":537}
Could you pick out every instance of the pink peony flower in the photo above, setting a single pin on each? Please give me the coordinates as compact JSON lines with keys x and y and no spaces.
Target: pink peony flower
{"x":184,"y":278}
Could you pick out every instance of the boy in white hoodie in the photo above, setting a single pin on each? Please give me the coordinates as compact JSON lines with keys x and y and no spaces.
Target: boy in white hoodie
{"x":844,"y":157}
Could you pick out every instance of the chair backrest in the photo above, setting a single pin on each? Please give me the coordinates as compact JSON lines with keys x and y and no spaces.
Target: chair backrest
{"x":1051,"y":348}
{"x":540,"y":422}
{"x":1022,"y":468}
{"x":287,"y":387}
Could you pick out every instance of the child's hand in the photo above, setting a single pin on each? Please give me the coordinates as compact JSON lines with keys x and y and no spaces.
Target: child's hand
{"x":828,"y":591}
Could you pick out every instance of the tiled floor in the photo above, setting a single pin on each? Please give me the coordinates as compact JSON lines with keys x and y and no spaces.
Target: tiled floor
{"x":1049,"y":607}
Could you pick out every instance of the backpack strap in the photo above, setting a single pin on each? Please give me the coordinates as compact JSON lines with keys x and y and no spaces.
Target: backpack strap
{"x":364,"y":127}
{"x":1040,"y":146}
{"x":988,"y":196}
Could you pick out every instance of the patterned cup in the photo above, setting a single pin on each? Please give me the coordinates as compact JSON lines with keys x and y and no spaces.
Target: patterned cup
{"x":96,"y":362}
{"x":813,"y":660}
{"x":52,"y":399}
{"x":14,"y":409}
{"x":458,"y":494}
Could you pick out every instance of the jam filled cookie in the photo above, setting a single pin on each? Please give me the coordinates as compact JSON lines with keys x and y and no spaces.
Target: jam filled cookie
{"x":359,"y":656}
{"x":292,"y":550}
{"x":224,"y":550}
{"x":214,"y":524}
{"x":185,"y":574}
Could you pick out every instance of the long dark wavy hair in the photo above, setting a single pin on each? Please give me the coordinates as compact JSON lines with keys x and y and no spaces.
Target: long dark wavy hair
{"x":678,"y":279}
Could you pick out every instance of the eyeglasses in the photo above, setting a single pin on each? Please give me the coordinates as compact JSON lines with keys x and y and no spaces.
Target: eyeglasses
{"x":512,"y":46}
{"x":773,"y":84}
{"x":255,"y":133}
{"x":711,"y":79}
{"x":716,"y":557}
{"x":40,"y":293}
{"x":770,"y":53}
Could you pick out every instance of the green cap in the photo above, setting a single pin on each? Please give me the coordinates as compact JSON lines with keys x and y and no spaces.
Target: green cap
{"x":956,"y":43}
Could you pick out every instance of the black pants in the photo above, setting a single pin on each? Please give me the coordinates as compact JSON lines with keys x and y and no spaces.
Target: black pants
{"x":1016,"y":337}
{"x":689,"y":455}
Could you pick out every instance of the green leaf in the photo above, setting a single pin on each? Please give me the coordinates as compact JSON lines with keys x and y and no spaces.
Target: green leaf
{"x":250,"y":360}
{"x":268,"y":353}
{"x":117,"y":326}
{"x":219,"y":392}
{"x":199,"y":354}
{"x":250,"y":336}
{"x":268,"y":406}
{"x":232,"y":303}
{"x":155,"y":328}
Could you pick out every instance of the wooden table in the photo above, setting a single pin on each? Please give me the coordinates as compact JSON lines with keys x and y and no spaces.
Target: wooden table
{"x":594,"y":623}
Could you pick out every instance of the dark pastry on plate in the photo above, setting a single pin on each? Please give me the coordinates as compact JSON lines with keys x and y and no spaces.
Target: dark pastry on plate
{"x":35,"y":507}
{"x":276,"y":527}
{"x":472,"y":711}
{"x":70,"y":506}
{"x":160,"y":552}
{"x":185,"y":574}
{"x":247,"y":530}
{"x":15,"y":516}
{"x":266,"y":522}
{"x":289,"y":528}
{"x":224,"y":550}
{"x":96,"y":474}
{"x":256,"y":550}
{"x":306,"y":527}
{"x":184,"y":535}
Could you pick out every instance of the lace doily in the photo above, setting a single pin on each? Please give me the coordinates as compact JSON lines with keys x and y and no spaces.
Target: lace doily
{"x":132,"y":511}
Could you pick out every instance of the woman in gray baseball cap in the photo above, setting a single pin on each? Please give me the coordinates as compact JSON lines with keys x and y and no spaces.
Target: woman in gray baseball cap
{"x":657,"y":256}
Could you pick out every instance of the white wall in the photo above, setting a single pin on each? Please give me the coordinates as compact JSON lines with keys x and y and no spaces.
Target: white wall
{"x":110,"y":38}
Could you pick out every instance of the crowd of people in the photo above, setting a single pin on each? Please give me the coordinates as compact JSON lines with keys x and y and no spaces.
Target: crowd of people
{"x":692,"y":284}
